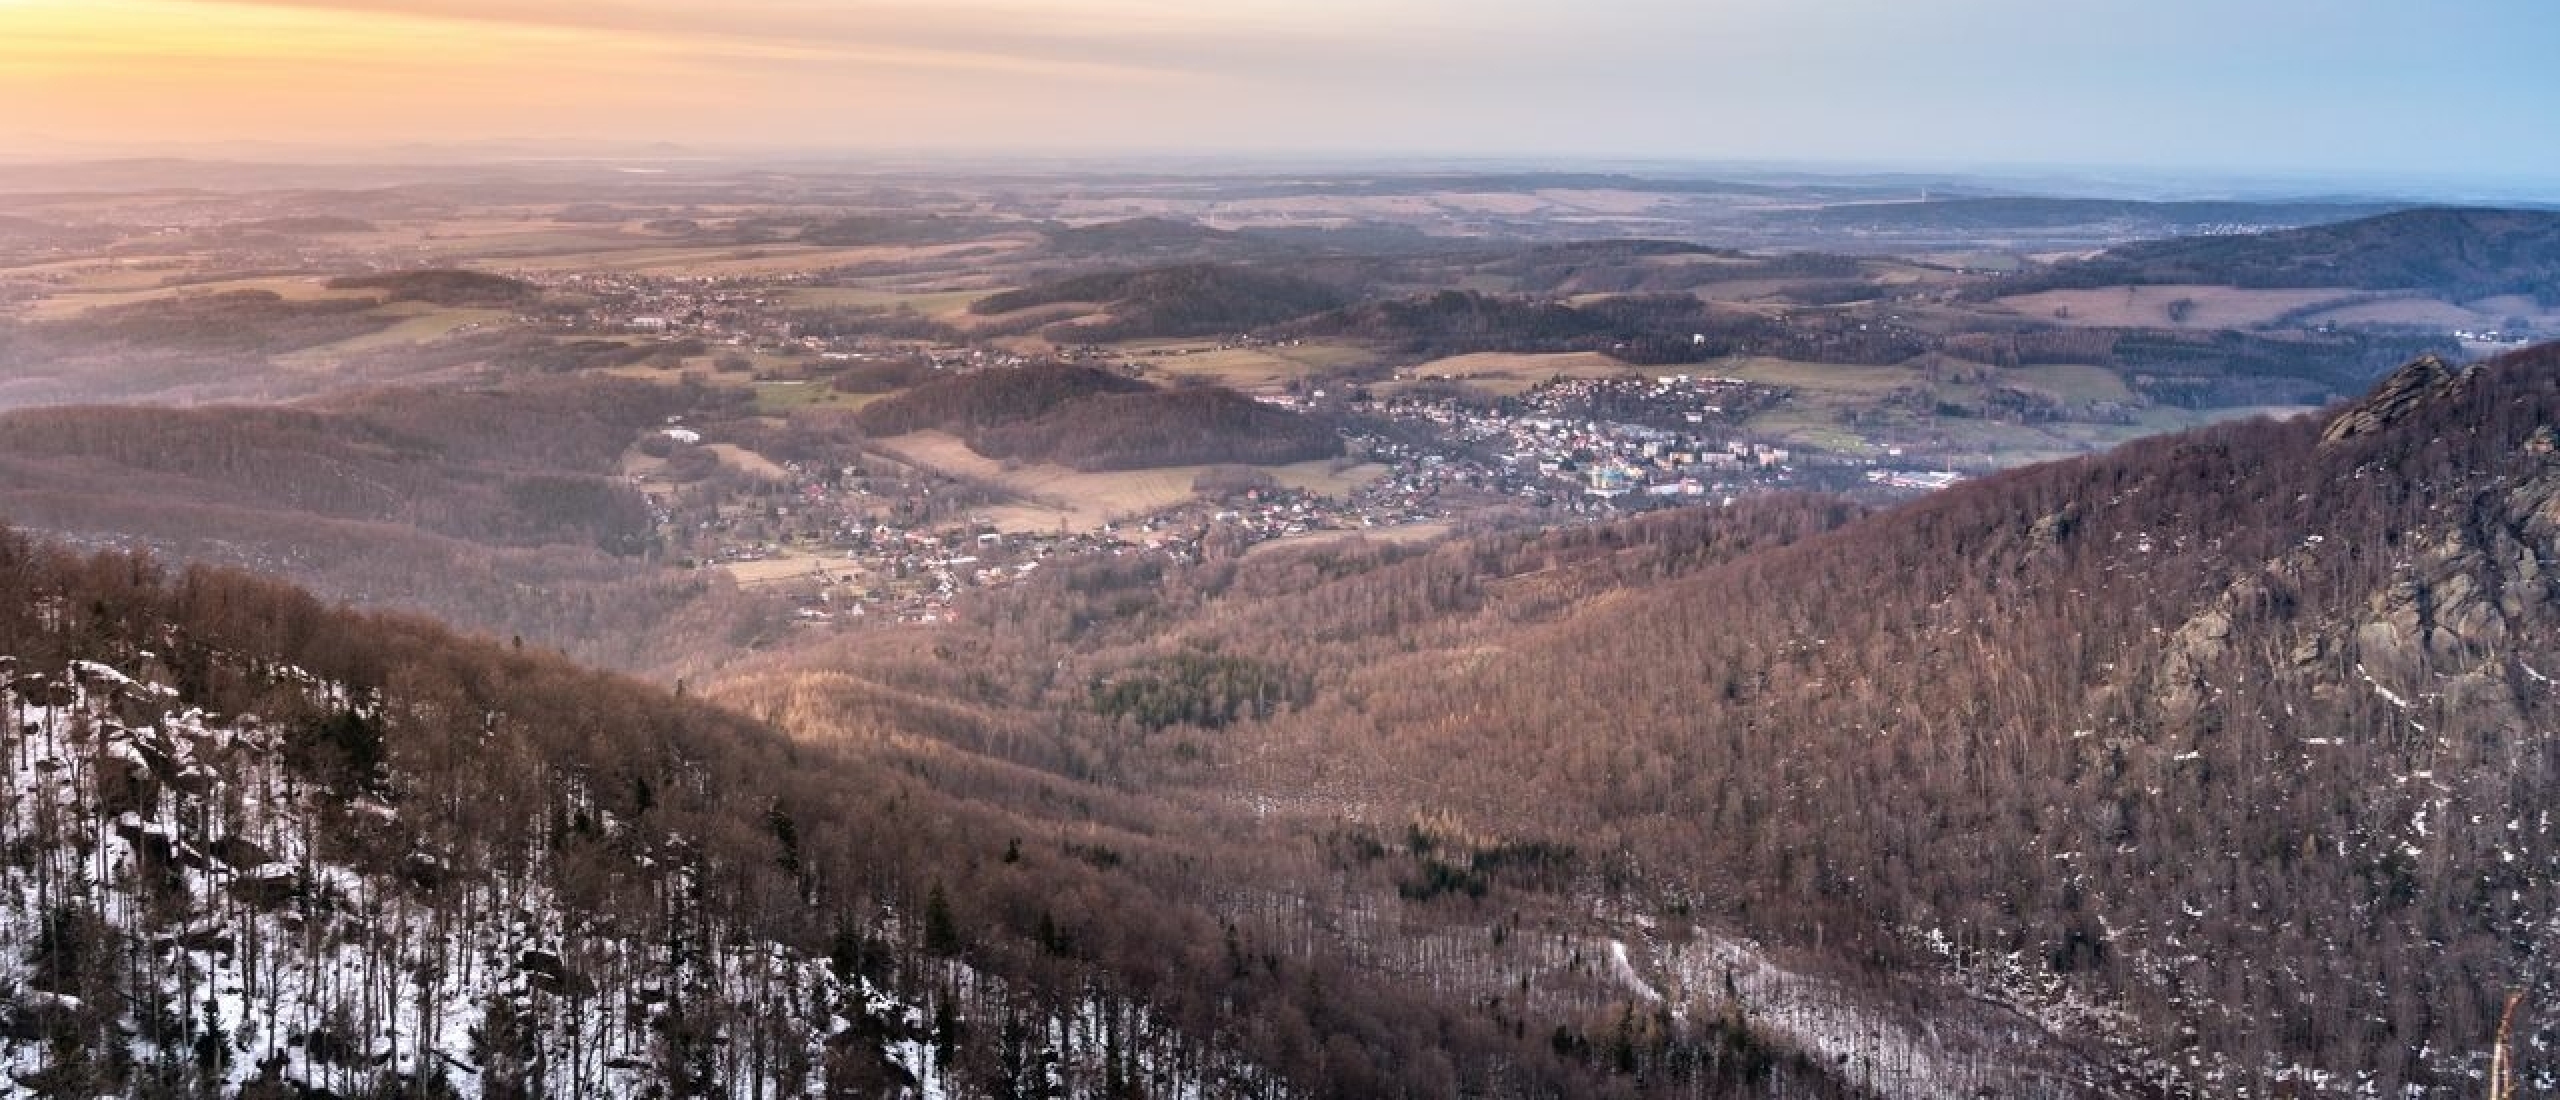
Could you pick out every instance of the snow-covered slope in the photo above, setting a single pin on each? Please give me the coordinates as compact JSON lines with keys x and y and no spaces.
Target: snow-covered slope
{"x":179,"y":916}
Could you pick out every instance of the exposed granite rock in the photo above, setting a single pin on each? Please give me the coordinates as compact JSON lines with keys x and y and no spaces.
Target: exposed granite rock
{"x":2424,"y":379}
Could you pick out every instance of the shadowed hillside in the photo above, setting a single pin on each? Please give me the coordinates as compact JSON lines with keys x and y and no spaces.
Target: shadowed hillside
{"x":2458,"y":254}
{"x":497,"y":510}
{"x":1097,"y":420}
{"x":445,"y":287}
{"x":1191,"y":300}
{"x":255,"y":844}
{"x":2032,"y":213}
{"x":1187,"y":427}
{"x":2218,"y":757}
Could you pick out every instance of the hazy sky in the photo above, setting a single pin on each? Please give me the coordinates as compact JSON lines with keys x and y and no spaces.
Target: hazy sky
{"x":2462,"y":88}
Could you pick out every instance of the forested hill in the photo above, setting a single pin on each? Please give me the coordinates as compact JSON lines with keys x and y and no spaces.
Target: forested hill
{"x":2243,"y":733}
{"x":1185,"y":300}
{"x":2032,"y":213}
{"x":2221,"y":758}
{"x":2460,"y":254}
{"x":1094,"y":419}
{"x":252,"y":845}
{"x":496,"y":510}
{"x":445,"y":286}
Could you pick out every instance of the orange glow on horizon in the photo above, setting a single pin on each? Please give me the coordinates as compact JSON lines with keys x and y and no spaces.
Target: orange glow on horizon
{"x":1864,"y":82}
{"x":212,"y":70}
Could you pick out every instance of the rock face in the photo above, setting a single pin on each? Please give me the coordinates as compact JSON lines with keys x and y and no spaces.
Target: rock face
{"x":2424,"y":379}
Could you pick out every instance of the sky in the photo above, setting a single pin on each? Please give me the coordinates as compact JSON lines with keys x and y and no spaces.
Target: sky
{"x":2458,"y":89}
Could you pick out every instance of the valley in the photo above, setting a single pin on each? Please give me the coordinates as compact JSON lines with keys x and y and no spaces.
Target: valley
{"x":1513,"y":372}
{"x":1203,"y":635}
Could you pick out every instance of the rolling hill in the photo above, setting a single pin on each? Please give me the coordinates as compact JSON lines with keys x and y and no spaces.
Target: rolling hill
{"x":2213,"y":762}
{"x":1094,"y":419}
{"x":2458,"y":254}
{"x":253,"y":845}
{"x":1181,"y":427}
{"x":444,"y":287}
{"x":2037,"y":213}
{"x":1186,"y":300}
{"x":498,"y":511}
{"x":294,"y":850}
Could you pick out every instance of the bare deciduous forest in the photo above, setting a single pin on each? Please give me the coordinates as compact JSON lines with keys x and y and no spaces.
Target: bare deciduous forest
{"x":2227,"y":737}
{"x":788,"y":633}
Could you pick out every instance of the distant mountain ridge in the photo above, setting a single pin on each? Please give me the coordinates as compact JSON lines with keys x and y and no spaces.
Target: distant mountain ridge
{"x":2459,"y":254}
{"x":2043,"y":213}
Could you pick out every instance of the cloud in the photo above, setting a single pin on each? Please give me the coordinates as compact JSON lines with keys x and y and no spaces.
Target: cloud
{"x":2273,"y":82}
{"x":1119,"y":40}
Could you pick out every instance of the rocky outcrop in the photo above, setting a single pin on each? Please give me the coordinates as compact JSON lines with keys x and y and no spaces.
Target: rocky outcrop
{"x":2423,"y":380}
{"x":2184,"y":683}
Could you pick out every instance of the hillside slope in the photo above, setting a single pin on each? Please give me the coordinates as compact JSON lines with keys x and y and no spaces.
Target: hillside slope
{"x":1095,"y":419}
{"x":2242,"y":734}
{"x":2220,"y":760}
{"x":496,"y":510}
{"x":251,"y":843}
{"x":1186,"y":300}
{"x":2458,"y":254}
{"x":2031,"y":213}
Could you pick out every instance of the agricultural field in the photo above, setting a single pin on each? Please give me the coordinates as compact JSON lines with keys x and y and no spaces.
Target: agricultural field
{"x":1051,"y":497}
{"x":1510,"y":375}
{"x":420,"y":323}
{"x":929,"y":303}
{"x":2187,"y":307}
{"x":120,"y":286}
{"x":720,"y":261}
{"x":1819,"y":378}
{"x":786,"y":569}
{"x":748,"y":462}
{"x":2071,"y":382}
{"x":1263,"y":369}
{"x":2491,"y":313}
{"x":775,"y":398}
{"x":1871,"y":411}
{"x":1408,"y":533}
{"x":1744,"y":291}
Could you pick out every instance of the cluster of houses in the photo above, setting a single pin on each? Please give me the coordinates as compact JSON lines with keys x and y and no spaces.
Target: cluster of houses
{"x":853,"y":547}
{"x":2492,"y":337}
{"x":717,"y":310}
{"x":1666,"y":437}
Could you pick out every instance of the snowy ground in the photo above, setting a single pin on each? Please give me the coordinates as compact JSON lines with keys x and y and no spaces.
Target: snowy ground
{"x":240,"y":954}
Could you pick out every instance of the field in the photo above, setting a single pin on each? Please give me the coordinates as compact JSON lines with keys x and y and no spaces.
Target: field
{"x":2207,"y":307}
{"x":1732,"y":292}
{"x":2071,"y":382}
{"x":1812,"y":426}
{"x":1055,"y":496}
{"x":1820,"y":378}
{"x":420,"y":323}
{"x":782,"y":570}
{"x":930,"y":303}
{"x":1509,"y":375}
{"x":747,"y":462}
{"x":1253,"y":370}
{"x":115,"y":287}
{"x":590,"y":255}
{"x":2433,"y":313}
{"x":775,"y":398}
{"x":1827,"y":395}
{"x":1611,"y":211}
{"x":1405,"y":533}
